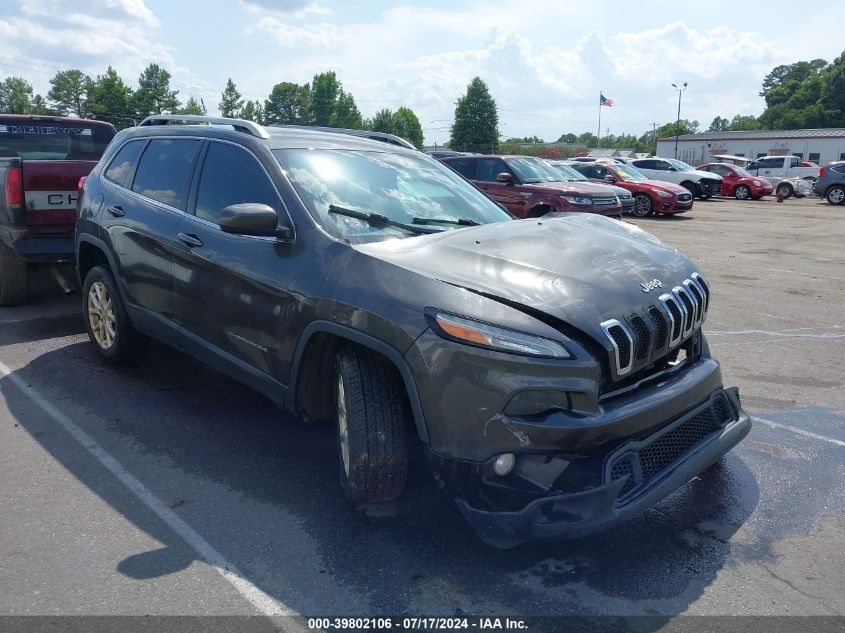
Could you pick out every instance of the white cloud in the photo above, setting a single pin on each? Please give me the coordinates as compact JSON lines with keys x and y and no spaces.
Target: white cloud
{"x":322,"y":35}
{"x":298,"y":8}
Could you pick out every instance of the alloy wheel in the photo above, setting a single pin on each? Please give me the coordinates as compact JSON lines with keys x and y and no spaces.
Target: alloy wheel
{"x":101,"y":315}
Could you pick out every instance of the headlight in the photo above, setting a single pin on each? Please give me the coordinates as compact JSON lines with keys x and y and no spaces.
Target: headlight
{"x":664,"y":194}
{"x":757,"y":183}
{"x":578,"y":200}
{"x":492,"y":337}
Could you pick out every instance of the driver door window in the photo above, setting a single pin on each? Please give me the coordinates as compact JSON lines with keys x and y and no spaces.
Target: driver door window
{"x":492,"y":167}
{"x":232,"y":176}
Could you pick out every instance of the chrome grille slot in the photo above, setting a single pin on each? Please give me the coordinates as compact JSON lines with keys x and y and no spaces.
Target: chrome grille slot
{"x":705,"y":290}
{"x":692,"y":288}
{"x":676,"y":316}
{"x":659,"y":322}
{"x":623,"y":344}
{"x":685,"y":303}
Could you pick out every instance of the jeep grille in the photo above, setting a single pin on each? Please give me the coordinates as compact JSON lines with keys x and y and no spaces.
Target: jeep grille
{"x":642,"y":337}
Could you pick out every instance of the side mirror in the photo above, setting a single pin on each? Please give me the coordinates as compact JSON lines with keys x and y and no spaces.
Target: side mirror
{"x":505,"y":178}
{"x":253,"y":218}
{"x":610,"y":178}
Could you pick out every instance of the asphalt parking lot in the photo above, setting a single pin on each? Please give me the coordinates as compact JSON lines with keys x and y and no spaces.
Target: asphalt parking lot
{"x":165,"y":488}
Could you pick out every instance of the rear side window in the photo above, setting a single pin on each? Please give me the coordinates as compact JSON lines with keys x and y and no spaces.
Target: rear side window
{"x":464,"y":166}
{"x":124,"y":162}
{"x":164,"y":172}
{"x":230,"y":175}
{"x":53,"y":140}
{"x":839,"y":169}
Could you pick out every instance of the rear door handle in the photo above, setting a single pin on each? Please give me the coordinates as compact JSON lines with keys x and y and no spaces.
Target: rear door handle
{"x":117,"y":212}
{"x":190,"y":239}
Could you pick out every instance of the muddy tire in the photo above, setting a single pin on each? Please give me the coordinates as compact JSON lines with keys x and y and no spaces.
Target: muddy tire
{"x":373,"y":418}
{"x":14,"y":277}
{"x":785,"y":190}
{"x":106,"y":321}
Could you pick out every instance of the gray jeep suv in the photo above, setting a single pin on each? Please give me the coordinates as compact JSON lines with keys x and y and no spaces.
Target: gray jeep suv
{"x":554,"y":370}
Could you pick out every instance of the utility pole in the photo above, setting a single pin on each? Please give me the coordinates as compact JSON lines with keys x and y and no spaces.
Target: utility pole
{"x":678,"y":123}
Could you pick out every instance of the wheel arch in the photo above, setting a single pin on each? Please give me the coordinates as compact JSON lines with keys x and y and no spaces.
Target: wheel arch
{"x":316,"y":348}
{"x":90,"y":252}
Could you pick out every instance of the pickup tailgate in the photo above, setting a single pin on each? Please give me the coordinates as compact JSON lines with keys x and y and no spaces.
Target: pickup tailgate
{"x":50,"y":194}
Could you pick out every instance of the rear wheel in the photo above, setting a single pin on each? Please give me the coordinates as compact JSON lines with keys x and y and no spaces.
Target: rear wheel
{"x":14,"y":277}
{"x":642,"y":206}
{"x":836,"y":194}
{"x":785,"y":190}
{"x":106,"y":320}
{"x":372,"y":420}
{"x":742,"y":192}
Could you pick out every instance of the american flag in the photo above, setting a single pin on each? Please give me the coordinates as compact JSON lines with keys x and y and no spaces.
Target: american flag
{"x":605,"y":101}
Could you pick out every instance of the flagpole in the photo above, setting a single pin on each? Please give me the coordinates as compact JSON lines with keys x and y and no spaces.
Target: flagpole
{"x":598,"y":136}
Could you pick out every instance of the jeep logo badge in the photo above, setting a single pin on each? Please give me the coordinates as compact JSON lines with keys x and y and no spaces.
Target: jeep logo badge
{"x":648,"y":286}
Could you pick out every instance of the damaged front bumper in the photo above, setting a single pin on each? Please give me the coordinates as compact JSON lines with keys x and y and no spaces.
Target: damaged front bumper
{"x":634,"y":478}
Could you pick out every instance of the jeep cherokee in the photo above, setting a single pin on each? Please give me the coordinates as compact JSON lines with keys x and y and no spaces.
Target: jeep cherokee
{"x":554,"y":369}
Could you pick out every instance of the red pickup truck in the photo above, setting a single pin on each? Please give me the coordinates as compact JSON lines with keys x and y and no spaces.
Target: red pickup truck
{"x":41,"y":162}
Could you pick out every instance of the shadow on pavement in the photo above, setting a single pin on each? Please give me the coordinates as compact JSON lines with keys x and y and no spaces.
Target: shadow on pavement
{"x":170,"y":412}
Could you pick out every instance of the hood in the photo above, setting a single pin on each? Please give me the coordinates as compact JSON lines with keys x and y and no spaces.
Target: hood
{"x":703,"y":174}
{"x":663,"y":185}
{"x":580,"y":268}
{"x":569,"y":188}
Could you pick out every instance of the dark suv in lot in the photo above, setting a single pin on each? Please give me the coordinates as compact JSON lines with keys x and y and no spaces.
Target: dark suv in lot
{"x":554,"y":370}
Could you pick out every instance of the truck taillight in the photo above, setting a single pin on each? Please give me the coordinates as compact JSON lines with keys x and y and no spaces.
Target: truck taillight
{"x":821,"y":172}
{"x":80,"y":184}
{"x":14,"y":186}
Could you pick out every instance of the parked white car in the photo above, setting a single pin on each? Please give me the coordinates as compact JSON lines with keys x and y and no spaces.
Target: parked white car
{"x":778,"y":168}
{"x":701,"y":184}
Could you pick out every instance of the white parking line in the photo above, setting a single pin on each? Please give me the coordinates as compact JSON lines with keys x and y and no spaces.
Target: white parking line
{"x":797,"y":431}
{"x":265,"y":604}
{"x":786,"y":334}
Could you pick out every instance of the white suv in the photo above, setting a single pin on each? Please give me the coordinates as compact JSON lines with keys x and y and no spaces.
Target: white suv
{"x":701,"y":184}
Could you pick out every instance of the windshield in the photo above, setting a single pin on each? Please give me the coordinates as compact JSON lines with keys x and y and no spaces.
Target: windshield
{"x":48,"y":140}
{"x":533,"y":170}
{"x":740,"y":171}
{"x":681,"y":165}
{"x":628,"y":172}
{"x":568,"y":173}
{"x":403,"y":188}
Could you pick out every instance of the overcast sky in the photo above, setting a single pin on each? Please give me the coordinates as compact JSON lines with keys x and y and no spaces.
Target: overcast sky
{"x":545,"y":61}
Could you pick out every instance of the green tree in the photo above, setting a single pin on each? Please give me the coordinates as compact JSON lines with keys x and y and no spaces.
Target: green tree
{"x":231,"y":102}
{"x":476,"y":126}
{"x":744,"y":122}
{"x":407,"y":125}
{"x":685,"y":126}
{"x":15,"y":96}
{"x":154,"y":95}
{"x":253,"y":111}
{"x":588,"y":139}
{"x":832,"y":96}
{"x":69,"y":92}
{"x":39,"y":105}
{"x":192,"y":107}
{"x":718,"y":125}
{"x":346,"y":113}
{"x":382,"y":121}
{"x":568,"y":138}
{"x":109,"y":99}
{"x":288,"y":104}
{"x":325,"y":89}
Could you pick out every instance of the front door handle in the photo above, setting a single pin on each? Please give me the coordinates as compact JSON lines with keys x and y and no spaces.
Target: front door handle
{"x":116,"y":211}
{"x":190,"y":240}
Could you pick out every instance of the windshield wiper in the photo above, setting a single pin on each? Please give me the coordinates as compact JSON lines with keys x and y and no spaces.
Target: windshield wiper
{"x":379,"y":221}
{"x":458,"y":222}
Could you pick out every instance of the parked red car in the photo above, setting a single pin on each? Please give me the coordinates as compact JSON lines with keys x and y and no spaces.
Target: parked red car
{"x":650,"y":196}
{"x":737,"y":182}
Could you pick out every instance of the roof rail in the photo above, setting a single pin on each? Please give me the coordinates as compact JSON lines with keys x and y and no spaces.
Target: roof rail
{"x":241,"y":125}
{"x":376,"y":136}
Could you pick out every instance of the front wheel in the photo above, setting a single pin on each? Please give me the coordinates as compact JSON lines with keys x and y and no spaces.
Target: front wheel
{"x":742,"y":192}
{"x":785,"y":190}
{"x":642,"y":206}
{"x":693,"y":188}
{"x":372,"y":420}
{"x":106,"y":320}
{"x":835,"y":195}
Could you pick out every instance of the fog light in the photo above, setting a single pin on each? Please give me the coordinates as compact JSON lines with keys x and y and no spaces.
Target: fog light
{"x":504,"y":464}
